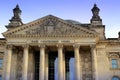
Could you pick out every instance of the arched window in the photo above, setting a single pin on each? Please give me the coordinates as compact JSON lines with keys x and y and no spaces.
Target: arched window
{"x":115,"y":78}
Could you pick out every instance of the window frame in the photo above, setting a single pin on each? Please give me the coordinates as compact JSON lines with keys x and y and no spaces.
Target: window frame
{"x":2,"y":58}
{"x":1,"y":63}
{"x":114,"y":56}
{"x":114,"y":63}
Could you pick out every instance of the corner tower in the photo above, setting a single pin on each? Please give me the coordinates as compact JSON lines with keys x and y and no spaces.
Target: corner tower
{"x":96,"y":23}
{"x":96,"y":20}
{"x":15,"y":21}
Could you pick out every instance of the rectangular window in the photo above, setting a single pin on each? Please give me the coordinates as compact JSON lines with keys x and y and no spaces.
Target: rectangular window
{"x":114,"y":63}
{"x":1,"y":63}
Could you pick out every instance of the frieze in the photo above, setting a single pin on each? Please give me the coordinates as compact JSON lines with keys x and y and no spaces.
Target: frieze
{"x":50,"y":41}
{"x":41,"y":41}
{"x":56,"y":41}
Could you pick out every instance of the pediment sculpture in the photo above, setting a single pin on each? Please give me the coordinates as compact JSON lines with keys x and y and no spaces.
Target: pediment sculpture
{"x":51,"y":28}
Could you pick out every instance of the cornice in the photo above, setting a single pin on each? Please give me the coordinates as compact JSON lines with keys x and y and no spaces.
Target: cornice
{"x":37,"y":36}
{"x":109,"y":43}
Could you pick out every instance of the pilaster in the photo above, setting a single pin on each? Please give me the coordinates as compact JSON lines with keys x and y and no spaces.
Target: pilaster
{"x":94,"y":62}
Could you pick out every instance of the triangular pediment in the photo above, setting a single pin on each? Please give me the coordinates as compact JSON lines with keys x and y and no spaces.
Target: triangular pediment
{"x":50,"y":26}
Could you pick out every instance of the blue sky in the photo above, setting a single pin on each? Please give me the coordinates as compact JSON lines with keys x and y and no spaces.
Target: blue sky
{"x":79,"y":10}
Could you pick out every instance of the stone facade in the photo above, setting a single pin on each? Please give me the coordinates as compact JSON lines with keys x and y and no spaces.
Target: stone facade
{"x":29,"y":51}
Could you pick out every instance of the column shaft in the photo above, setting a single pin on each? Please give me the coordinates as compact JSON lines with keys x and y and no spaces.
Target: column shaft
{"x":77,"y":62}
{"x":9,"y":56}
{"x":64,"y":67}
{"x":25,"y":62}
{"x":42,"y":63}
{"x":60,"y":62}
{"x":94,"y":63}
{"x":46,"y":66}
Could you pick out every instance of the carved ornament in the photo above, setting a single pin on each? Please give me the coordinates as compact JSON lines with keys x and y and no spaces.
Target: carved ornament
{"x":9,"y":46}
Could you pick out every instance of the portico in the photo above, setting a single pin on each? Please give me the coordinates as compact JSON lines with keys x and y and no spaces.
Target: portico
{"x":45,"y":67}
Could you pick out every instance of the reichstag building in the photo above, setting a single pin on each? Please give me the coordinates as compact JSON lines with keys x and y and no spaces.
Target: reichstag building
{"x":51,"y":48}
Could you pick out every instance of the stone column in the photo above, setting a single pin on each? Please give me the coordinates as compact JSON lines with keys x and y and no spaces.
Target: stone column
{"x":25,"y":62}
{"x":64,"y":67}
{"x":94,"y":62}
{"x":9,"y":56}
{"x":60,"y":63}
{"x":77,"y":62}
{"x":42,"y":63}
{"x":46,"y":66}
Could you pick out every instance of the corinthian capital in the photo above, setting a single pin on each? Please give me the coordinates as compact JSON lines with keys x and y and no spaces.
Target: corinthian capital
{"x":92,"y":46}
{"x":25,"y":46}
{"x":9,"y":46}
{"x":76,"y":46}
{"x":41,"y":45}
{"x":60,"y":45}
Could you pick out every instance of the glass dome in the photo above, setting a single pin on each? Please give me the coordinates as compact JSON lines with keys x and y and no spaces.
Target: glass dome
{"x":73,"y":21}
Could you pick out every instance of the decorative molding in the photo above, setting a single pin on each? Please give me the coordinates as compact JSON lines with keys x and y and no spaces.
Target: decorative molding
{"x":55,"y":35}
{"x":113,"y":54}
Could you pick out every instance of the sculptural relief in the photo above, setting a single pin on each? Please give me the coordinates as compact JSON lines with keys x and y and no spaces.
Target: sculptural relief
{"x":52,"y":28}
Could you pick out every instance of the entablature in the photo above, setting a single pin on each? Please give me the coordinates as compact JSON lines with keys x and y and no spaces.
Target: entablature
{"x":51,"y":42}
